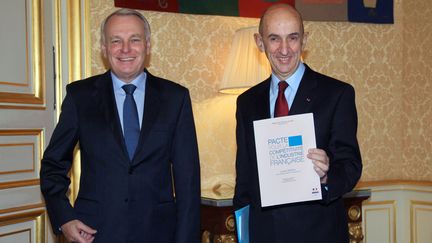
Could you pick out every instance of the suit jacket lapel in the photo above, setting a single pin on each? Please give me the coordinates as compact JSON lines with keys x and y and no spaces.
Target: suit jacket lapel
{"x":262,"y":102}
{"x":104,"y":94}
{"x":305,"y":94}
{"x":151,"y":111}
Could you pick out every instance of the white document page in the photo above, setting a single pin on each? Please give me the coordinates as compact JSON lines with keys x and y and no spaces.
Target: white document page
{"x":285,"y":174}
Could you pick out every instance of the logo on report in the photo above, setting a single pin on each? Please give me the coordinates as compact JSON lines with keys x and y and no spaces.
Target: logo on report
{"x":285,"y":150}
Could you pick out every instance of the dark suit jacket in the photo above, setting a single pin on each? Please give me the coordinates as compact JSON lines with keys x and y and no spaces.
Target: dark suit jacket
{"x":126,"y":201}
{"x":332,"y":103}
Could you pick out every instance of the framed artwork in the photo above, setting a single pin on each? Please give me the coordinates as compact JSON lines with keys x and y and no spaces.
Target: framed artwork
{"x":366,"y":11}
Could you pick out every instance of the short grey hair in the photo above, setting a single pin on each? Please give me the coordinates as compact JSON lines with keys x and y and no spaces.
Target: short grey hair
{"x":125,"y":12}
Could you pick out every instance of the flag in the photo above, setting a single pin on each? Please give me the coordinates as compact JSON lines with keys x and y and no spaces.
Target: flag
{"x":154,"y":5}
{"x":241,"y":8}
{"x":366,"y":11}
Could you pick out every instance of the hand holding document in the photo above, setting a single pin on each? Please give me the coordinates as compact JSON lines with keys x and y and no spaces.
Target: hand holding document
{"x":285,"y":174}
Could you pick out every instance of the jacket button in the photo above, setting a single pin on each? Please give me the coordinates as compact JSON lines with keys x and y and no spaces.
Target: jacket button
{"x":130,"y":171}
{"x":126,"y":200}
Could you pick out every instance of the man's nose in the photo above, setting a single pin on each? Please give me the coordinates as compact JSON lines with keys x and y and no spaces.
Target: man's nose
{"x":125,"y":46}
{"x":285,"y":47}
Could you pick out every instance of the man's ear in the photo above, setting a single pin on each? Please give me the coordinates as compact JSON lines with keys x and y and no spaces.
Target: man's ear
{"x":104,"y":50}
{"x":148,"y":47}
{"x":304,"y":41}
{"x":259,"y":42}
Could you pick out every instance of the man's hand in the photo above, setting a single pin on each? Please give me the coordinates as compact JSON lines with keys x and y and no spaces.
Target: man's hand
{"x":77,"y":231}
{"x":321,"y":163}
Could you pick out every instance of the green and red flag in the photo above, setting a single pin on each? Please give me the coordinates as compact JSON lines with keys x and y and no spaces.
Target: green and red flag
{"x":242,"y":8}
{"x":154,"y":5}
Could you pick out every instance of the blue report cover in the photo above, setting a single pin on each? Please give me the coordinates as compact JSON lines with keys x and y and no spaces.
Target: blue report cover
{"x":242,"y":222}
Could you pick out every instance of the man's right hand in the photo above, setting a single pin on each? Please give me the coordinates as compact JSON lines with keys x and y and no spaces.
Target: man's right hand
{"x":77,"y":231}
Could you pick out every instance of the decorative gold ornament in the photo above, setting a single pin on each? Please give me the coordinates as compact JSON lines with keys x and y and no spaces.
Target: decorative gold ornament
{"x":355,"y":232}
{"x":354,"y":212}
{"x":230,"y":223}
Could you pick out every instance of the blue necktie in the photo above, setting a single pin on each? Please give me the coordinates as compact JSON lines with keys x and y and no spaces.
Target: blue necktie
{"x":130,"y":120}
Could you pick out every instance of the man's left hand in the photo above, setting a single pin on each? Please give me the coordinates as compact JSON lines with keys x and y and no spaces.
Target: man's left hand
{"x":321,"y":163}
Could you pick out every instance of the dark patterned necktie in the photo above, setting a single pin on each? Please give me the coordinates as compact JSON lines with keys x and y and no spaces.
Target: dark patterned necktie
{"x":281,"y":107}
{"x":130,"y":120}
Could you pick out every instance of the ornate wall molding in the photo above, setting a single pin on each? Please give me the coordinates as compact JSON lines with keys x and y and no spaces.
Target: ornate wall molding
{"x":28,"y":93}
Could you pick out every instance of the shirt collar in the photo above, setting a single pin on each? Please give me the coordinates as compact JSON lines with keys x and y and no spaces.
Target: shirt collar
{"x":293,"y":81}
{"x":139,"y":82}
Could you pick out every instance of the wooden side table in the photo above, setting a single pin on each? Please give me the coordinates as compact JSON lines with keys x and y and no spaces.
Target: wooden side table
{"x":218,"y":222}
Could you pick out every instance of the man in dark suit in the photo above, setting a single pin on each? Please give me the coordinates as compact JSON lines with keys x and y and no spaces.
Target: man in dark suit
{"x":140,"y":175}
{"x":336,"y":159}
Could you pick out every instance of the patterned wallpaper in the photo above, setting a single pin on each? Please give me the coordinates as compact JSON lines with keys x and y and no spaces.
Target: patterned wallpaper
{"x":416,"y":105}
{"x":387,"y":65}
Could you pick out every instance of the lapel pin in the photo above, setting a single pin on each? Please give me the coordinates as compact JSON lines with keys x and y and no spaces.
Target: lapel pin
{"x":308,"y":99}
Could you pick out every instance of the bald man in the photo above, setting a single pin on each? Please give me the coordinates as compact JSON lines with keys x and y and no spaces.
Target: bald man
{"x":336,"y":159}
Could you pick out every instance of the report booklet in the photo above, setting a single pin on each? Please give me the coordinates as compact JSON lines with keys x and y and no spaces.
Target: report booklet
{"x":285,"y":174}
{"x":242,"y":223}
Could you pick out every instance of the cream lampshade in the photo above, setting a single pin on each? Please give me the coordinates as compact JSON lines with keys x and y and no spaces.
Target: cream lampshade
{"x":246,"y":65}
